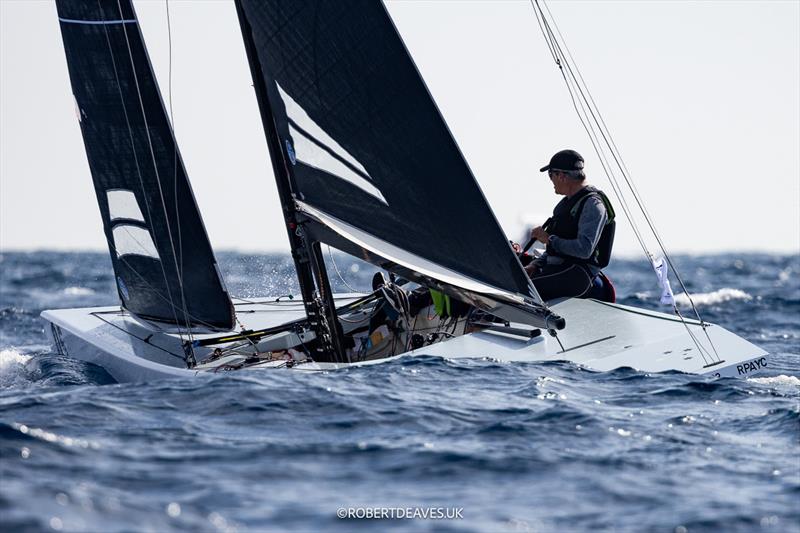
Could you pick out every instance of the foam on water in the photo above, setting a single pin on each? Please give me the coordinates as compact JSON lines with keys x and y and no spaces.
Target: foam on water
{"x":12,"y":368}
{"x":78,"y":291}
{"x":725,"y":294}
{"x":520,"y":446}
{"x":718,"y":296}
{"x":782,"y":380}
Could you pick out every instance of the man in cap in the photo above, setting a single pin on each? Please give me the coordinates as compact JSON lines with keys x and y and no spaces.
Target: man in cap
{"x":578,"y":237}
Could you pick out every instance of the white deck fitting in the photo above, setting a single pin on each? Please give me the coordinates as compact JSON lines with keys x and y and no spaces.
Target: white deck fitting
{"x":604,"y":336}
{"x":599,"y":336}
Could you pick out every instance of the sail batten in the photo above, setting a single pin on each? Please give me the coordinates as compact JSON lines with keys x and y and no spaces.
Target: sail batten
{"x":164,"y":265}
{"x":97,"y":22}
{"x":366,"y":145}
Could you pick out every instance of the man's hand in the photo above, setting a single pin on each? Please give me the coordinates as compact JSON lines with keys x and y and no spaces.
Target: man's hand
{"x":540,"y":235}
{"x":531,"y":269}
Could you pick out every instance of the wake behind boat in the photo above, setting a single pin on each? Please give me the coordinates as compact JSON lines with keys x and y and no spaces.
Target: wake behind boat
{"x":363,"y":162}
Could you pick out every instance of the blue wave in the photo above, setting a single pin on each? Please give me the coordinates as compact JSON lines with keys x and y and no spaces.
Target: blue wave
{"x":518,"y":446}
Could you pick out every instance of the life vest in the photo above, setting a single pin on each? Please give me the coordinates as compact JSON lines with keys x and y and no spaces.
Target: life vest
{"x":564,"y":224}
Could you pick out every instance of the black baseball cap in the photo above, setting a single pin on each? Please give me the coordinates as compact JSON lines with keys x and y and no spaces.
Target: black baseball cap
{"x":564,"y":160}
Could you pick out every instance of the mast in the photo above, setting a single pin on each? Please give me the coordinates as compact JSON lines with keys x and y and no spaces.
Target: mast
{"x":368,"y":163}
{"x":306,"y":253}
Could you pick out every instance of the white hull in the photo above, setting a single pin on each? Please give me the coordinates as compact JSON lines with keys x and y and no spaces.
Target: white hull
{"x":598,"y":336}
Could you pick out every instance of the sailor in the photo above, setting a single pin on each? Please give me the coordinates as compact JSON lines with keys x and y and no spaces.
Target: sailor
{"x":578,"y":237}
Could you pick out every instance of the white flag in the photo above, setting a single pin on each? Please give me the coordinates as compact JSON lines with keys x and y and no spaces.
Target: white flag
{"x":662,"y":271}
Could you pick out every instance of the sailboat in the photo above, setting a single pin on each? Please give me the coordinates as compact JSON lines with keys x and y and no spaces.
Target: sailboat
{"x":364,"y":162}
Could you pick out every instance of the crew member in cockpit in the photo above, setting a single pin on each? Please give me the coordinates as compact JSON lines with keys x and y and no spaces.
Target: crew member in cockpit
{"x":578,"y":237}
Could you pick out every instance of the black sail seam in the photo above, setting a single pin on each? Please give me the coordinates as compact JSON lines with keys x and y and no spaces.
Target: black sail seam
{"x":97,"y":22}
{"x":124,"y":221}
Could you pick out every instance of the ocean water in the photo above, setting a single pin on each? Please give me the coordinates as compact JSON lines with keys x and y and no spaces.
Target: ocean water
{"x":483,"y":445}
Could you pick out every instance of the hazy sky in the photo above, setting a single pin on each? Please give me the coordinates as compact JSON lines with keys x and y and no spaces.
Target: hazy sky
{"x":703,"y":99}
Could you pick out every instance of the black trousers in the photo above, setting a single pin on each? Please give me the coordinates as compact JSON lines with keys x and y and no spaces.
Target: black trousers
{"x":560,"y":281}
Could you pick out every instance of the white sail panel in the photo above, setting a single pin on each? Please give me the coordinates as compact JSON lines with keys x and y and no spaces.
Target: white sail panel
{"x":122,"y":204}
{"x":133,"y":240}
{"x":315,"y":147}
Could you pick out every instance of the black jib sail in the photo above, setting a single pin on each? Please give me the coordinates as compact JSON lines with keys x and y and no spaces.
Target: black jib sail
{"x":165,"y":268}
{"x":365,"y":150}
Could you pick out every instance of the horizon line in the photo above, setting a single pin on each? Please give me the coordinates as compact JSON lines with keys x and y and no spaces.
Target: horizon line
{"x":627,"y":255}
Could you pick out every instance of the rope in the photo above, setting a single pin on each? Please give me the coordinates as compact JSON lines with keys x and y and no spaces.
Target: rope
{"x":552,"y":45}
{"x":175,"y":170}
{"x":596,"y":128}
{"x":145,"y":340}
{"x":624,"y":169}
{"x":583,"y":116}
{"x":161,"y":296}
{"x":160,"y":188}
{"x":133,"y":152}
{"x":330,"y":254}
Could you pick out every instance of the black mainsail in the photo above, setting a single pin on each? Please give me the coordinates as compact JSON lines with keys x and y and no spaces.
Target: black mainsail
{"x":164,"y":265}
{"x":365,"y":154}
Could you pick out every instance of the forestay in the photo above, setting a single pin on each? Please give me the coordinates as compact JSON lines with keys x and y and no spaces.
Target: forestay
{"x":165,"y":268}
{"x":365,"y":147}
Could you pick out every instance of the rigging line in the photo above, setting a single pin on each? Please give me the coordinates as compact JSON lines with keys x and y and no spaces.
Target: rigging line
{"x":622,"y":168}
{"x":613,"y":146}
{"x":133,"y":152}
{"x":602,"y":127}
{"x":617,"y":158}
{"x":612,"y":177}
{"x":330,"y":254}
{"x":558,"y":55}
{"x":145,"y":340}
{"x":694,"y":338}
{"x":158,"y":177}
{"x":134,"y":239}
{"x":592,"y":136}
{"x":282,"y":303}
{"x":584,"y":117}
{"x":615,"y":153}
{"x":411,"y":331}
{"x":175,"y":169}
{"x":157,"y":292}
{"x":589,"y":114}
{"x":536,"y":11}
{"x":607,"y":168}
{"x":703,"y":352}
{"x":588,"y":127}
{"x":595,"y":141}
